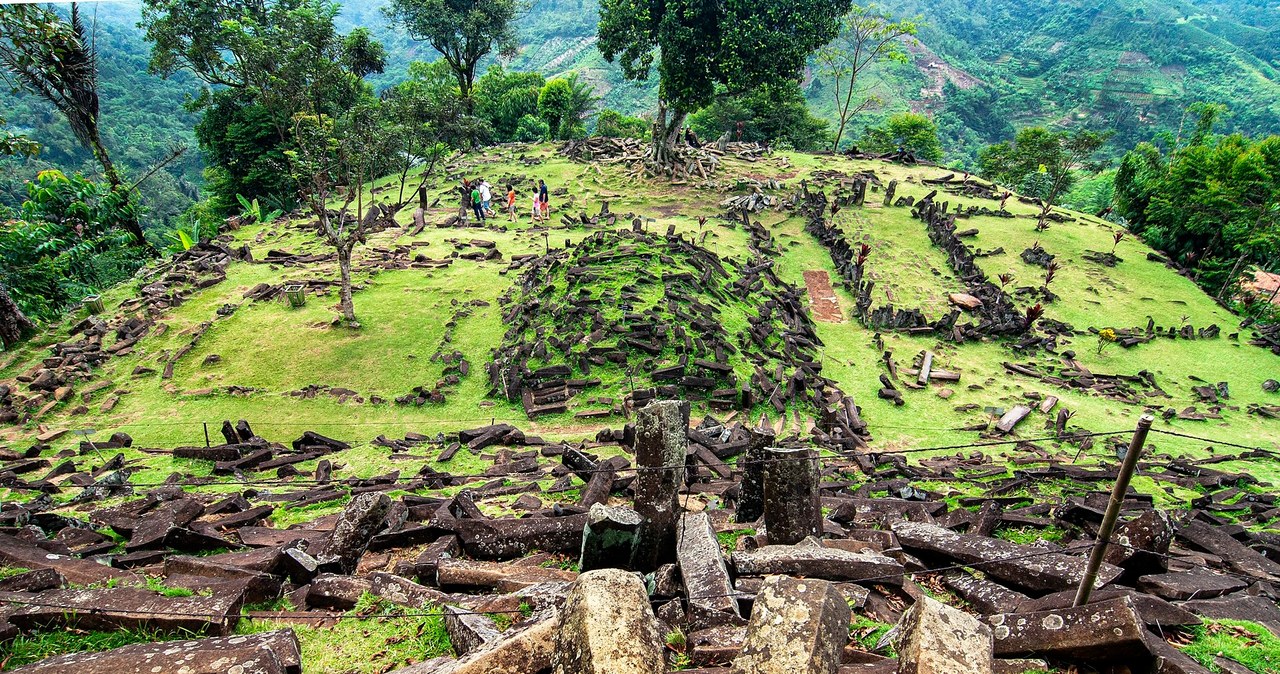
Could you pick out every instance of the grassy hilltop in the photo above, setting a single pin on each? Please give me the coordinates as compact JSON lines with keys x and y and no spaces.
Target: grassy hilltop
{"x":268,"y":350}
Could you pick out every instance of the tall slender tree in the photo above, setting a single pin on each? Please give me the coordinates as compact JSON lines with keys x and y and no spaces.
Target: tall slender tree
{"x":55,"y":58}
{"x":868,"y":35}
{"x":697,"y":45}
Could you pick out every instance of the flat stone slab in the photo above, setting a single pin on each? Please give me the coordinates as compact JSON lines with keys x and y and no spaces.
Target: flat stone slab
{"x":1194,"y":584}
{"x":1106,"y":630}
{"x":122,"y":608}
{"x":702,"y":569}
{"x":1237,"y":555}
{"x":274,"y":652}
{"x":18,"y":553}
{"x":1022,"y":566}
{"x":816,"y":561}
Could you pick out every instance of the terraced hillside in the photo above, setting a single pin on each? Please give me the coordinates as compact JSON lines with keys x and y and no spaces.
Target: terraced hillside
{"x":214,"y":353}
{"x":427,"y":484}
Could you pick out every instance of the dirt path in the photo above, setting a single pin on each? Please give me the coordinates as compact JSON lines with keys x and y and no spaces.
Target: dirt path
{"x":822,"y":297}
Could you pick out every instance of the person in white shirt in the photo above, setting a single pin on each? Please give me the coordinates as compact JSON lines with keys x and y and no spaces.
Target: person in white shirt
{"x":486,"y":197}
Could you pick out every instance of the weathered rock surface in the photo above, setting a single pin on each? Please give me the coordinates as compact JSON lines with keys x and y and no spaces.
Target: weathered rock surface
{"x":1019,"y":565}
{"x":360,"y":520}
{"x":609,"y":538}
{"x":813,"y":560}
{"x":796,"y":625}
{"x":608,"y":627}
{"x":275,"y":652}
{"x":122,"y":608}
{"x":934,"y":638}
{"x":702,"y":568}
{"x":1106,"y":630}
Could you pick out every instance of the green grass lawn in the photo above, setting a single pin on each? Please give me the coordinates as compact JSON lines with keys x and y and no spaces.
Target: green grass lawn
{"x":270,"y":350}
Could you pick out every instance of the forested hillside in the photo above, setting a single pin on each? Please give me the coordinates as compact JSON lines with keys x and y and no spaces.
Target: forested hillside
{"x":143,"y":120}
{"x":982,"y":68}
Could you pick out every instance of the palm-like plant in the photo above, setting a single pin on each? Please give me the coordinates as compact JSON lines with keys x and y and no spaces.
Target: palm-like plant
{"x":253,"y":212}
{"x":56,"y":59}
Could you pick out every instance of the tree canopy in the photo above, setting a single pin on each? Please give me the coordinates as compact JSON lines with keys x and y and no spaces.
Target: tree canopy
{"x":906,"y":130}
{"x":702,"y":49}
{"x":463,"y":31}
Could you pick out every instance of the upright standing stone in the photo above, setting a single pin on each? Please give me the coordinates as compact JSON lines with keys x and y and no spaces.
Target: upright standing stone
{"x":661,"y":442}
{"x":934,"y":638}
{"x":609,"y":539}
{"x":792,"y":508}
{"x":706,"y":579}
{"x":608,"y":627}
{"x":751,"y":489}
{"x":359,"y":521}
{"x":797,"y":626}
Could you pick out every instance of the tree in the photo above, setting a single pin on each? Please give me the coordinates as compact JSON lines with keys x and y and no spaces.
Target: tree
{"x":613,"y":124}
{"x":56,"y":60}
{"x":564,"y":102}
{"x":908,"y":131}
{"x":265,"y":61}
{"x":1051,"y":157}
{"x":346,"y":152}
{"x":699,"y":45}
{"x":867,"y":35}
{"x":503,"y":97}
{"x":417,"y":127}
{"x":463,"y":31}
{"x":769,"y":114}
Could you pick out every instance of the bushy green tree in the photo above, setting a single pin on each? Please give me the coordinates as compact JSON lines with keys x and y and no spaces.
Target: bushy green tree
{"x":906,"y":130}
{"x":1045,"y":160}
{"x":463,"y":31}
{"x":1214,"y":204}
{"x":266,"y":61}
{"x":563,"y":103}
{"x":700,"y":46}
{"x":770,"y":114}
{"x":613,"y":124}
{"x":503,"y":97}
{"x":532,"y":129}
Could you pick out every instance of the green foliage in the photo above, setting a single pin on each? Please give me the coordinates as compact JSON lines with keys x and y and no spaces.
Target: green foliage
{"x":253,"y":212}
{"x":563,"y":103}
{"x":463,"y":31}
{"x":1094,"y":194}
{"x":699,"y":47}
{"x":531,"y":129}
{"x":771,"y":113}
{"x":908,"y":131}
{"x":65,"y":244}
{"x":273,"y":60}
{"x":1213,"y":205}
{"x":504,"y":97}
{"x":1039,"y":162}
{"x":613,"y":124}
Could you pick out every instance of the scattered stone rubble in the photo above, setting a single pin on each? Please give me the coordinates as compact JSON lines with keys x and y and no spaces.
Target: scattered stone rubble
{"x":815,"y":539}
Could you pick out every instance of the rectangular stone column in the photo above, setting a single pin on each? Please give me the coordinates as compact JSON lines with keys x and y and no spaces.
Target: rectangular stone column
{"x":792,"y":508}
{"x":661,"y":444}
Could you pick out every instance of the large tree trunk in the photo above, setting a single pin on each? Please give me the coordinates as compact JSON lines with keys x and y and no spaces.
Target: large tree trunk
{"x":345,"y":304}
{"x":14,"y":325}
{"x":666,"y":135}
